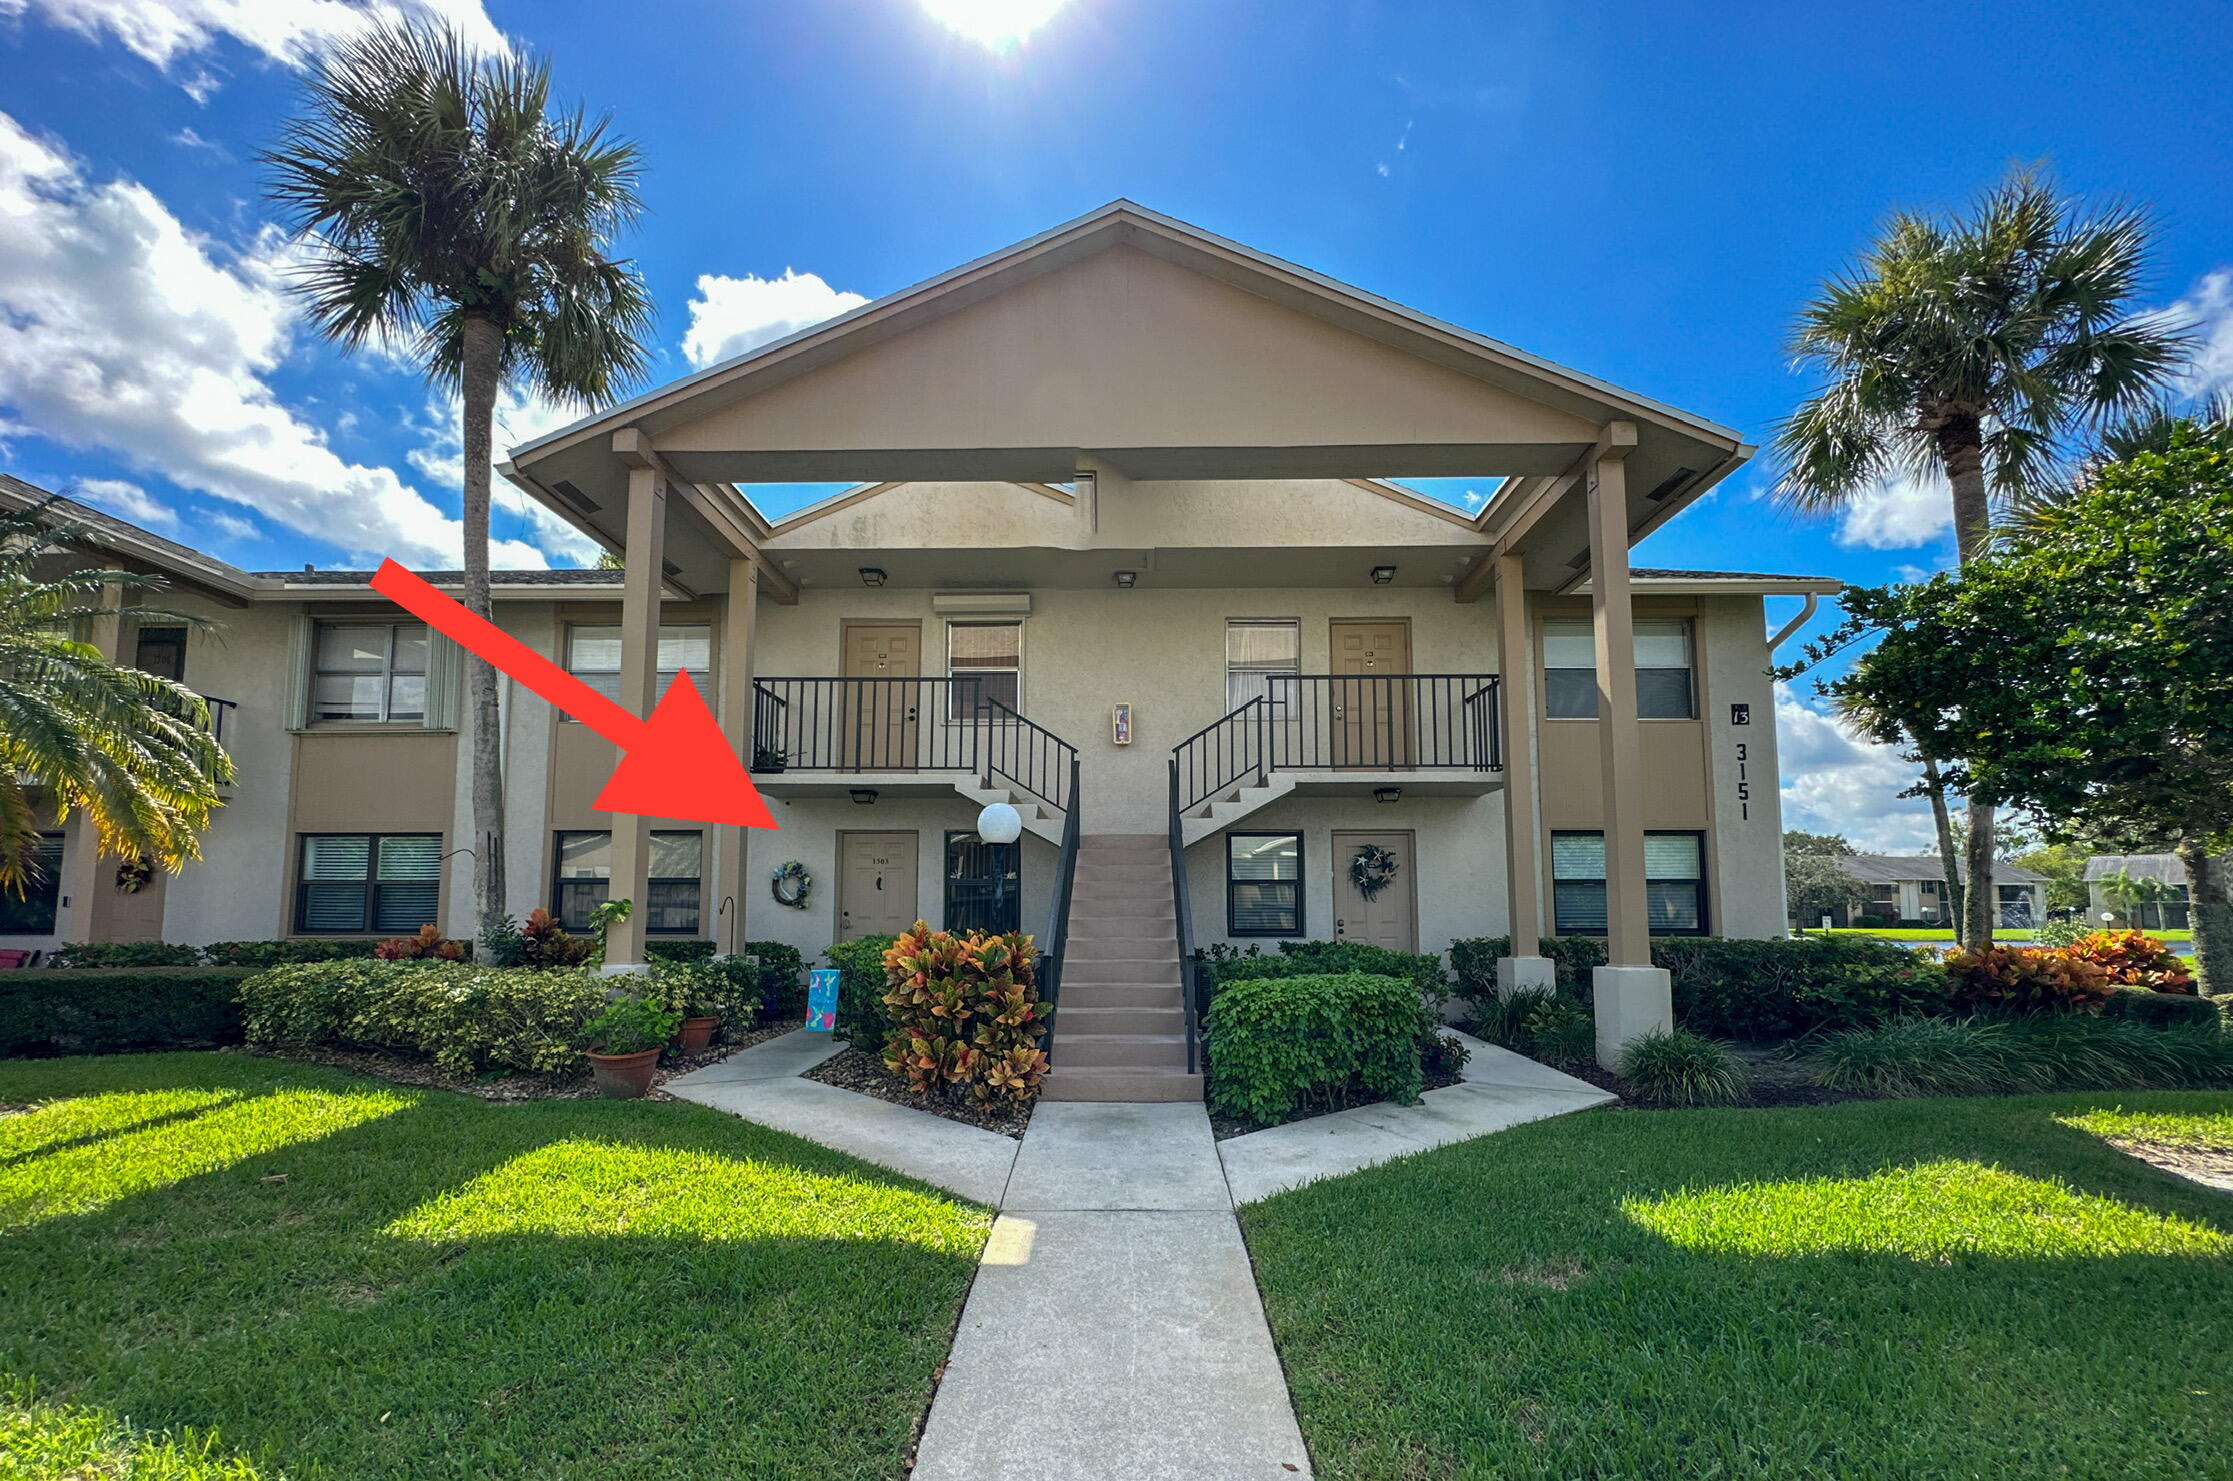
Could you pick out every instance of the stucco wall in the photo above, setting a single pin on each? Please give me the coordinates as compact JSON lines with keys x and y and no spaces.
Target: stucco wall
{"x":1746,"y":844}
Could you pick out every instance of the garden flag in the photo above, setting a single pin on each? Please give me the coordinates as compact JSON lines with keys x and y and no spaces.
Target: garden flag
{"x":821,"y":1000}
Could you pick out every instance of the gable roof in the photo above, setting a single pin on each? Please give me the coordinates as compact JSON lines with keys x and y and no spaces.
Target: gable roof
{"x":1903,"y":868}
{"x":107,"y":532}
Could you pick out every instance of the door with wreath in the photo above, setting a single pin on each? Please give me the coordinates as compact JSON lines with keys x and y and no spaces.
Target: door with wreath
{"x":1375,"y":890}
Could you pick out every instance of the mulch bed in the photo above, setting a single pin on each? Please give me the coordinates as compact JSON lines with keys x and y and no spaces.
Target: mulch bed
{"x":2212,"y":1167}
{"x":863,"y":1072}
{"x":1225,"y":1128}
{"x":404,"y":1069}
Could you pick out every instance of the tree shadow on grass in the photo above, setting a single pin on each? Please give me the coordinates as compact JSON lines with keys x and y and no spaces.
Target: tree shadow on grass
{"x":556,"y":1289}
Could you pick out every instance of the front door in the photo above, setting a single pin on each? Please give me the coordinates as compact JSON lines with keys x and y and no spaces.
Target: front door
{"x":879,"y":718}
{"x":1372,"y":694}
{"x":1391,"y":917}
{"x":875,"y":884}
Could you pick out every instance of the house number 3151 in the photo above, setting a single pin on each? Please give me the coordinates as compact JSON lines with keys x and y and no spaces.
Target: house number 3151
{"x":1744,"y":787}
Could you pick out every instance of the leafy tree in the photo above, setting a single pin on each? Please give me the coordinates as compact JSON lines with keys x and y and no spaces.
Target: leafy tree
{"x":2064,"y":865}
{"x":2085,"y":673}
{"x":451,"y":212}
{"x":1969,"y":349}
{"x":1814,"y":884}
{"x":79,"y":734}
{"x":1797,"y":842}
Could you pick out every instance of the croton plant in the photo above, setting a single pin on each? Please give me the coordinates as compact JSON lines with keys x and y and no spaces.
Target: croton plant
{"x":966,"y":1014}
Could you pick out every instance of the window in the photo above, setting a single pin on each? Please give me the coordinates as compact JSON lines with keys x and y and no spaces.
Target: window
{"x":991,"y":653}
{"x":1674,"y":883}
{"x":1263,"y":884}
{"x":32,"y":912}
{"x":369,"y":671}
{"x":1255,"y":650}
{"x":161,"y":651}
{"x":582,"y":881}
{"x":983,"y":885}
{"x":385,"y":882}
{"x":1884,"y":900}
{"x":593,"y":656}
{"x":1663,"y":690}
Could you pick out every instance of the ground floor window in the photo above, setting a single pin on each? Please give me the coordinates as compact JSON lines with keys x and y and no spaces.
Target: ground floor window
{"x":387,"y":882}
{"x":983,"y":884}
{"x":1263,"y":884}
{"x":32,"y":912}
{"x":1674,"y":883}
{"x":582,"y":881}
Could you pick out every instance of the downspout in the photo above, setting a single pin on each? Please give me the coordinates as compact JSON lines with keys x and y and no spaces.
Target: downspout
{"x":1783,"y":633}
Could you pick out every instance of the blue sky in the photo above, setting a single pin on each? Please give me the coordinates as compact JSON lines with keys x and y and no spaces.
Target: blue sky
{"x":1641,"y":191}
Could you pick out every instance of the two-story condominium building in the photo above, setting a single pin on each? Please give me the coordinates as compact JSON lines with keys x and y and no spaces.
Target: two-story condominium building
{"x":1123,"y":540}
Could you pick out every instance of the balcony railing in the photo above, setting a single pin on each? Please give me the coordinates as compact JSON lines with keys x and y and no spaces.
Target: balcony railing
{"x":1344,"y":722}
{"x":854,"y":726}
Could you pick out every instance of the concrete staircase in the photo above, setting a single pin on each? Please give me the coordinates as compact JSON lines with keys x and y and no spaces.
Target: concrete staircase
{"x":1231,"y":805}
{"x":1120,"y":1028}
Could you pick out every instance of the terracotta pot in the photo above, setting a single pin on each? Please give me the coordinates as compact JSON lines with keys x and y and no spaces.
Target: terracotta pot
{"x":623,"y":1076}
{"x":695,"y":1034}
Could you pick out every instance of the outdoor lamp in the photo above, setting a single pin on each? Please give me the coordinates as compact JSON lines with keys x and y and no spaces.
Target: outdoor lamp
{"x":1387,"y":794}
{"x":999,"y":823}
{"x":872,"y":575}
{"x":1125,"y":579}
{"x":865,"y":796}
{"x":1382,"y":575}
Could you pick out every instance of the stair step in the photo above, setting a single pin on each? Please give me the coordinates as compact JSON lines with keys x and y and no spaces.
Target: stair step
{"x":1121,"y":969}
{"x":1121,"y":1051}
{"x":1123,"y":1085}
{"x":1079,"y":1018}
{"x":1119,"y":891}
{"x":1093,"y":868}
{"x":1084,"y":995}
{"x":1093,"y":946}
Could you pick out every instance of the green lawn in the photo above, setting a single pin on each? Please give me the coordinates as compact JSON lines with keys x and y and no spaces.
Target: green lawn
{"x":1927,"y":1289}
{"x":273,"y":1270}
{"x":1944,"y":935}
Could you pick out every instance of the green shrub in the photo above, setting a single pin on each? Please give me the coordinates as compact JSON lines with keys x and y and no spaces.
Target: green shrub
{"x":2044,"y":1051}
{"x":466,"y":1018}
{"x":78,"y":955}
{"x":726,"y":987}
{"x":1766,"y":989}
{"x":1915,"y":1056}
{"x":1442,"y":1055}
{"x":630,"y":1026}
{"x":87,"y":1010}
{"x":2060,"y":935}
{"x":861,"y":1019}
{"x":1567,"y":1035}
{"x":782,"y":984}
{"x":1679,"y":1068}
{"x":1552,"y":1026}
{"x":2161,"y":1009}
{"x":966,"y":1014}
{"x":1473,"y":963}
{"x":678,"y":951}
{"x":284,"y":953}
{"x":1315,"y":958}
{"x":1279,"y":1045}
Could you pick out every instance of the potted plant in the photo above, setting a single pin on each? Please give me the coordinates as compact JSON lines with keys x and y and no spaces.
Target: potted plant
{"x":624,"y":1043}
{"x":769,"y":758}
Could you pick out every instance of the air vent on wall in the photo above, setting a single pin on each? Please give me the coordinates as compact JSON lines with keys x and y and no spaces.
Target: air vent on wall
{"x":582,"y":502}
{"x":1670,"y":483}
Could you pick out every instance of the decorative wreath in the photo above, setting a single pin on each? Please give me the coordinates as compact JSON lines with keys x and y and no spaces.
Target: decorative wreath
{"x":1371,"y":869}
{"x":790,"y":884}
{"x":134,"y":875}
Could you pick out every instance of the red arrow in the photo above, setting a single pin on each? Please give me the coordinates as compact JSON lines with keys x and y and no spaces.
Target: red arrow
{"x":677,"y":764}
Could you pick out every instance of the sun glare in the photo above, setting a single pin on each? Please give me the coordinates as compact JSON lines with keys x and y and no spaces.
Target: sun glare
{"x":994,"y":23}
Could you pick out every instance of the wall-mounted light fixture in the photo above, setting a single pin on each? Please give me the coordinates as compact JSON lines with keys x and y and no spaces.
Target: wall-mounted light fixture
{"x":1125,"y":579}
{"x":865,"y":796}
{"x":872,"y":575}
{"x":1387,"y":794}
{"x":1382,"y":575}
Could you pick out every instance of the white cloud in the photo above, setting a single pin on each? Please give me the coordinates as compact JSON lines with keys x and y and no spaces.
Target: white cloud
{"x":121,"y":330}
{"x":520,"y":417}
{"x":1835,"y":781}
{"x":732,"y":315}
{"x":167,"y":32}
{"x":187,"y":138}
{"x":126,"y":501}
{"x":1898,"y":513}
{"x":2207,"y":309}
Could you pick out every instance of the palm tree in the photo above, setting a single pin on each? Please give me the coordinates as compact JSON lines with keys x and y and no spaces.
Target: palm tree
{"x":450,"y":211}
{"x":80,"y":734}
{"x":1970,"y":349}
{"x":2152,"y":429}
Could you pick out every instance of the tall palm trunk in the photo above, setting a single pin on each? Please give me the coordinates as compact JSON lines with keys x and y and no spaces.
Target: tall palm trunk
{"x":1943,"y":822}
{"x":2211,"y":909}
{"x":482,"y":367}
{"x":1961,"y":447}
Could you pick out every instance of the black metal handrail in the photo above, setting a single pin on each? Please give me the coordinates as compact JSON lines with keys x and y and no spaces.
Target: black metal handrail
{"x":1182,"y":912}
{"x":1057,"y":943}
{"x":1343,"y":722}
{"x":857,"y":725}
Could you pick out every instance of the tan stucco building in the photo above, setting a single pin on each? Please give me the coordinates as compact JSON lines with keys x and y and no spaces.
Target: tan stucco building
{"x":1123,"y":541}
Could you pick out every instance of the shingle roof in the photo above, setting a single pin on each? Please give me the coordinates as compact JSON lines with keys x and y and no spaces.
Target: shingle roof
{"x":561,"y":576}
{"x":98,"y":524}
{"x":2165,"y":867}
{"x":1666,"y":573}
{"x":1899,"y":868}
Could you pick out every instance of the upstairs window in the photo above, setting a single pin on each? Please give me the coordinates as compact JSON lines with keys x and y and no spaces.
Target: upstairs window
{"x":160,"y":651}
{"x":385,"y":882}
{"x":1257,"y":651}
{"x":1663,"y":686}
{"x":369,"y":671}
{"x":593,"y":656}
{"x":985,"y":660}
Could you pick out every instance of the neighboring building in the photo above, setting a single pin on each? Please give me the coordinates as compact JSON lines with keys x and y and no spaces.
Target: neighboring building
{"x":2167,"y":912}
{"x":1120,"y":539}
{"x":1912,"y":887}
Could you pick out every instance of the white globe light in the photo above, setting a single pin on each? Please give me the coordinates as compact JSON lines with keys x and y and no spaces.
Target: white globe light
{"x":999,"y":823}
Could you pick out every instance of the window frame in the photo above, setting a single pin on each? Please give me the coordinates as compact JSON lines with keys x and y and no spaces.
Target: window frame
{"x":954,"y":710}
{"x":559,"y":882}
{"x":1702,"y":883}
{"x":1277,"y":699}
{"x":371,"y":882}
{"x":1302,"y":872}
{"x":388,"y":671}
{"x":1689,"y":670}
{"x":1012,"y":854}
{"x":701,"y":680}
{"x":168,"y":635}
{"x":48,"y":885}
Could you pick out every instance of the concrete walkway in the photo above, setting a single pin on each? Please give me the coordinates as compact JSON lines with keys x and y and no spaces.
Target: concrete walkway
{"x":1114,"y":1328}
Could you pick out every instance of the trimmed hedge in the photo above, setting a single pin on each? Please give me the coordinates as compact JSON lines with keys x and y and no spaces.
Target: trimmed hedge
{"x":862,"y":1019}
{"x":1769,"y":989}
{"x":678,"y":951}
{"x":1221,"y":965}
{"x":1279,"y":1045}
{"x":463,"y":1017}
{"x":79,"y":955}
{"x":1474,"y":962}
{"x":80,"y":1010}
{"x":2162,"y":1009}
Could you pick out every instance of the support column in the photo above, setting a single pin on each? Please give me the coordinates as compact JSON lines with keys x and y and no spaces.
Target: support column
{"x":736,"y":724}
{"x":643,"y":577}
{"x":1632,"y":997}
{"x":80,"y":884}
{"x":1523,"y":966}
